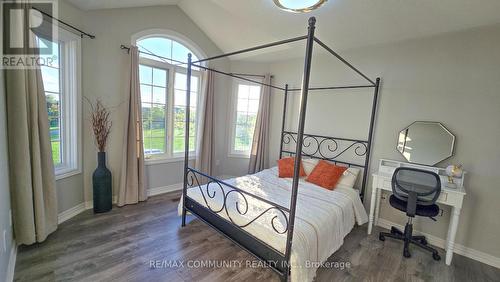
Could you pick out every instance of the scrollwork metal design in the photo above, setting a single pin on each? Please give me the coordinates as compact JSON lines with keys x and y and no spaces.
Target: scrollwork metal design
{"x":324,"y":147}
{"x":241,"y":209}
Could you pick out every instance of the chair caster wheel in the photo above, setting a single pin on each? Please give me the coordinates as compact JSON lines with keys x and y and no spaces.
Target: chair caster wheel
{"x":423,"y":242}
{"x":394,"y":230}
{"x":381,"y":237}
{"x":436,"y":257}
{"x":406,"y":253}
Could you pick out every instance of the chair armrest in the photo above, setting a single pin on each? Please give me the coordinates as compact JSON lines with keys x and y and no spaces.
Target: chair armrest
{"x":411,"y":206}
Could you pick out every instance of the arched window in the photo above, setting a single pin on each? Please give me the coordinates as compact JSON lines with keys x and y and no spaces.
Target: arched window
{"x":163,"y":96}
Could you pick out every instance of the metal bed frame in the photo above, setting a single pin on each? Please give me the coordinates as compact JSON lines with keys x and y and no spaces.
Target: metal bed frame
{"x":314,"y":146}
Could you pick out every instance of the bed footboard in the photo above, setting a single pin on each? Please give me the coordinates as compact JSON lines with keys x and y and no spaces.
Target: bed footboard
{"x":213,"y":188}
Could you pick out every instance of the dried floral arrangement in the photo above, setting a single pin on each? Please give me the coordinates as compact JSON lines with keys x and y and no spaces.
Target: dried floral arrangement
{"x":101,"y":123}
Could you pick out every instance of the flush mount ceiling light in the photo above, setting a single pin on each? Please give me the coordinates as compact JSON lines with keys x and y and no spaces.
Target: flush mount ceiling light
{"x":299,"y":6}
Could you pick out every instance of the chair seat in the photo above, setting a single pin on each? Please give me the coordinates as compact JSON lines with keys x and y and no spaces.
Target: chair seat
{"x":429,"y":211}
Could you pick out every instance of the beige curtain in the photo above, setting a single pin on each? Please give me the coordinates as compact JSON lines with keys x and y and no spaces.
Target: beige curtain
{"x":206,"y":135}
{"x":33,"y":186}
{"x":132,"y":189}
{"x":259,"y":155}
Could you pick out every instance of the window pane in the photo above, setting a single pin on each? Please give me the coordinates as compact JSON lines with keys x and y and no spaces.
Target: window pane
{"x":146,"y":111}
{"x":52,"y":85}
{"x":194,"y":99}
{"x":159,"y":95}
{"x":56,"y":152}
{"x":242,"y":105}
{"x":253,"y":106}
{"x":254,"y":92}
{"x":178,"y":144}
{"x":160,"y":77}
{"x":145,"y":74}
{"x":246,"y":115}
{"x":179,"y":52}
{"x":157,"y":45}
{"x":146,"y":95}
{"x":243,"y":91}
{"x":179,"y":114}
{"x":180,"y":81}
{"x":158,"y":113}
{"x":180,"y":97}
{"x":194,"y":83}
{"x":50,"y":77}
{"x":53,"y":106}
{"x":241,"y":118}
{"x":55,"y":130}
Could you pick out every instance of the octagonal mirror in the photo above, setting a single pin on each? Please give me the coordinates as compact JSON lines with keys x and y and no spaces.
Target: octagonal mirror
{"x":426,"y":143}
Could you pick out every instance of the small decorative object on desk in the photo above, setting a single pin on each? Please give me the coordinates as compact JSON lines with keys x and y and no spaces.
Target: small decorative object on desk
{"x":101,"y":179}
{"x":453,"y":171}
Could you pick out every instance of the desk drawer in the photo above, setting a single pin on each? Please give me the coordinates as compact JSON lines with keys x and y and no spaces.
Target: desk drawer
{"x":442,"y":197}
{"x":386,"y":184}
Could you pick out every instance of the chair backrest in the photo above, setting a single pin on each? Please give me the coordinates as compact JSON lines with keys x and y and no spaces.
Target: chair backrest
{"x":426,"y":184}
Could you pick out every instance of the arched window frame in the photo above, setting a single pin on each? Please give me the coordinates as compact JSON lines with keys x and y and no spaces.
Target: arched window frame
{"x":170,"y":153}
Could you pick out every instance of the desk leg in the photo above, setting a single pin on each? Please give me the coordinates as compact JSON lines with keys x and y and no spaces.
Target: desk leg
{"x":372,"y":208}
{"x":377,"y":206}
{"x":452,"y":231}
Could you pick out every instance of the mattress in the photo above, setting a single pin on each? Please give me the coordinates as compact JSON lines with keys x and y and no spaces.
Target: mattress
{"x":323,"y":217}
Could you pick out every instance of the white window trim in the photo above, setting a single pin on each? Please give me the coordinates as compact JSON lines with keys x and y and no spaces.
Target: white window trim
{"x":71,"y":113}
{"x":232,"y":129}
{"x":170,"y":155}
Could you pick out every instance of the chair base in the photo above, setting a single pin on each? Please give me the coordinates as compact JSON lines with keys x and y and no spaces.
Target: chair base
{"x":408,"y":239}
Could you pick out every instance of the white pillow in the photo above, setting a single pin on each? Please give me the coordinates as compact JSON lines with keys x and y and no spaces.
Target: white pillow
{"x":309,"y":165}
{"x":349,"y":177}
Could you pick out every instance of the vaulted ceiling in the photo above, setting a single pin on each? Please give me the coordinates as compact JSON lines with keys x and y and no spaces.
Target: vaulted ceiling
{"x":343,"y":24}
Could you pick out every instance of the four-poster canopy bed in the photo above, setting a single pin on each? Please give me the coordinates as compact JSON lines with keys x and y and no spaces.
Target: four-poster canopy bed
{"x":254,"y":205}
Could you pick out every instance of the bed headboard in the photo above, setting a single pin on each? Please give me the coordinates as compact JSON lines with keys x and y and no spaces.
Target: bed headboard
{"x":342,"y":151}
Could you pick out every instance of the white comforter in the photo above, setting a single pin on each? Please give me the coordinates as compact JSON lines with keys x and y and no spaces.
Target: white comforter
{"x":323,"y":217}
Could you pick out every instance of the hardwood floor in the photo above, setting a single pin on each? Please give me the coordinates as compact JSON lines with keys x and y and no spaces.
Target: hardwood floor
{"x":122,"y":244}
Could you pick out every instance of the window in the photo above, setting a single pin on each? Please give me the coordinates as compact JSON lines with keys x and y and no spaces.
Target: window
{"x":246,"y":105}
{"x":163,"y":83}
{"x":61,"y":85}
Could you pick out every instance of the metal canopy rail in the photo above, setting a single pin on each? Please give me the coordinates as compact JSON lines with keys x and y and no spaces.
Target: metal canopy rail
{"x":220,"y":217}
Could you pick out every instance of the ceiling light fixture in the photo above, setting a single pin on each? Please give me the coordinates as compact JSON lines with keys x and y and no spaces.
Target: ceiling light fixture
{"x":299,"y":6}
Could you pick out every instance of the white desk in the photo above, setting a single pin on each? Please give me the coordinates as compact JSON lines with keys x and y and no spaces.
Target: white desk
{"x":449,"y":196}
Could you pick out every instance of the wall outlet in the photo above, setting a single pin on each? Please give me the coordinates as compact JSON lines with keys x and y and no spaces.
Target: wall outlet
{"x":4,"y":241}
{"x":217,"y":162}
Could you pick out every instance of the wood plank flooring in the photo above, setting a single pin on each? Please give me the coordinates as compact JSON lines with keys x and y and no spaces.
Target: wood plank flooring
{"x":122,"y":244}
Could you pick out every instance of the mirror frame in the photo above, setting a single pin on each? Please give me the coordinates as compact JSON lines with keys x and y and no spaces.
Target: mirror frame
{"x":452,"y":151}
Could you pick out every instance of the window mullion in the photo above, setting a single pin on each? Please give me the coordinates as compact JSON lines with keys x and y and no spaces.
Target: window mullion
{"x":170,"y":110}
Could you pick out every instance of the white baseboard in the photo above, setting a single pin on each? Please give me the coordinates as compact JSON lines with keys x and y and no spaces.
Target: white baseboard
{"x":67,"y":214}
{"x":70,"y":213}
{"x":9,"y":277}
{"x":441,"y":243}
{"x":164,"y":189}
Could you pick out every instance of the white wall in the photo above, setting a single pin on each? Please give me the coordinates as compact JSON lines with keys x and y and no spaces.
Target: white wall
{"x":453,"y":79}
{"x":69,"y":190}
{"x":105,"y":76}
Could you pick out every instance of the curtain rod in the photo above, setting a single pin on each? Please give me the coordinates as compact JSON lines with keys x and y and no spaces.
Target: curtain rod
{"x":123,"y":47}
{"x":82,"y":33}
{"x":250,"y":74}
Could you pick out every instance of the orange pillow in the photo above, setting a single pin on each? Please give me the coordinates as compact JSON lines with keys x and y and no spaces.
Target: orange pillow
{"x":286,"y":165}
{"x":326,"y":174}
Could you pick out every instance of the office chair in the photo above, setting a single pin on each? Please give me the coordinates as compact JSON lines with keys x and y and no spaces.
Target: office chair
{"x":415,"y":192}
